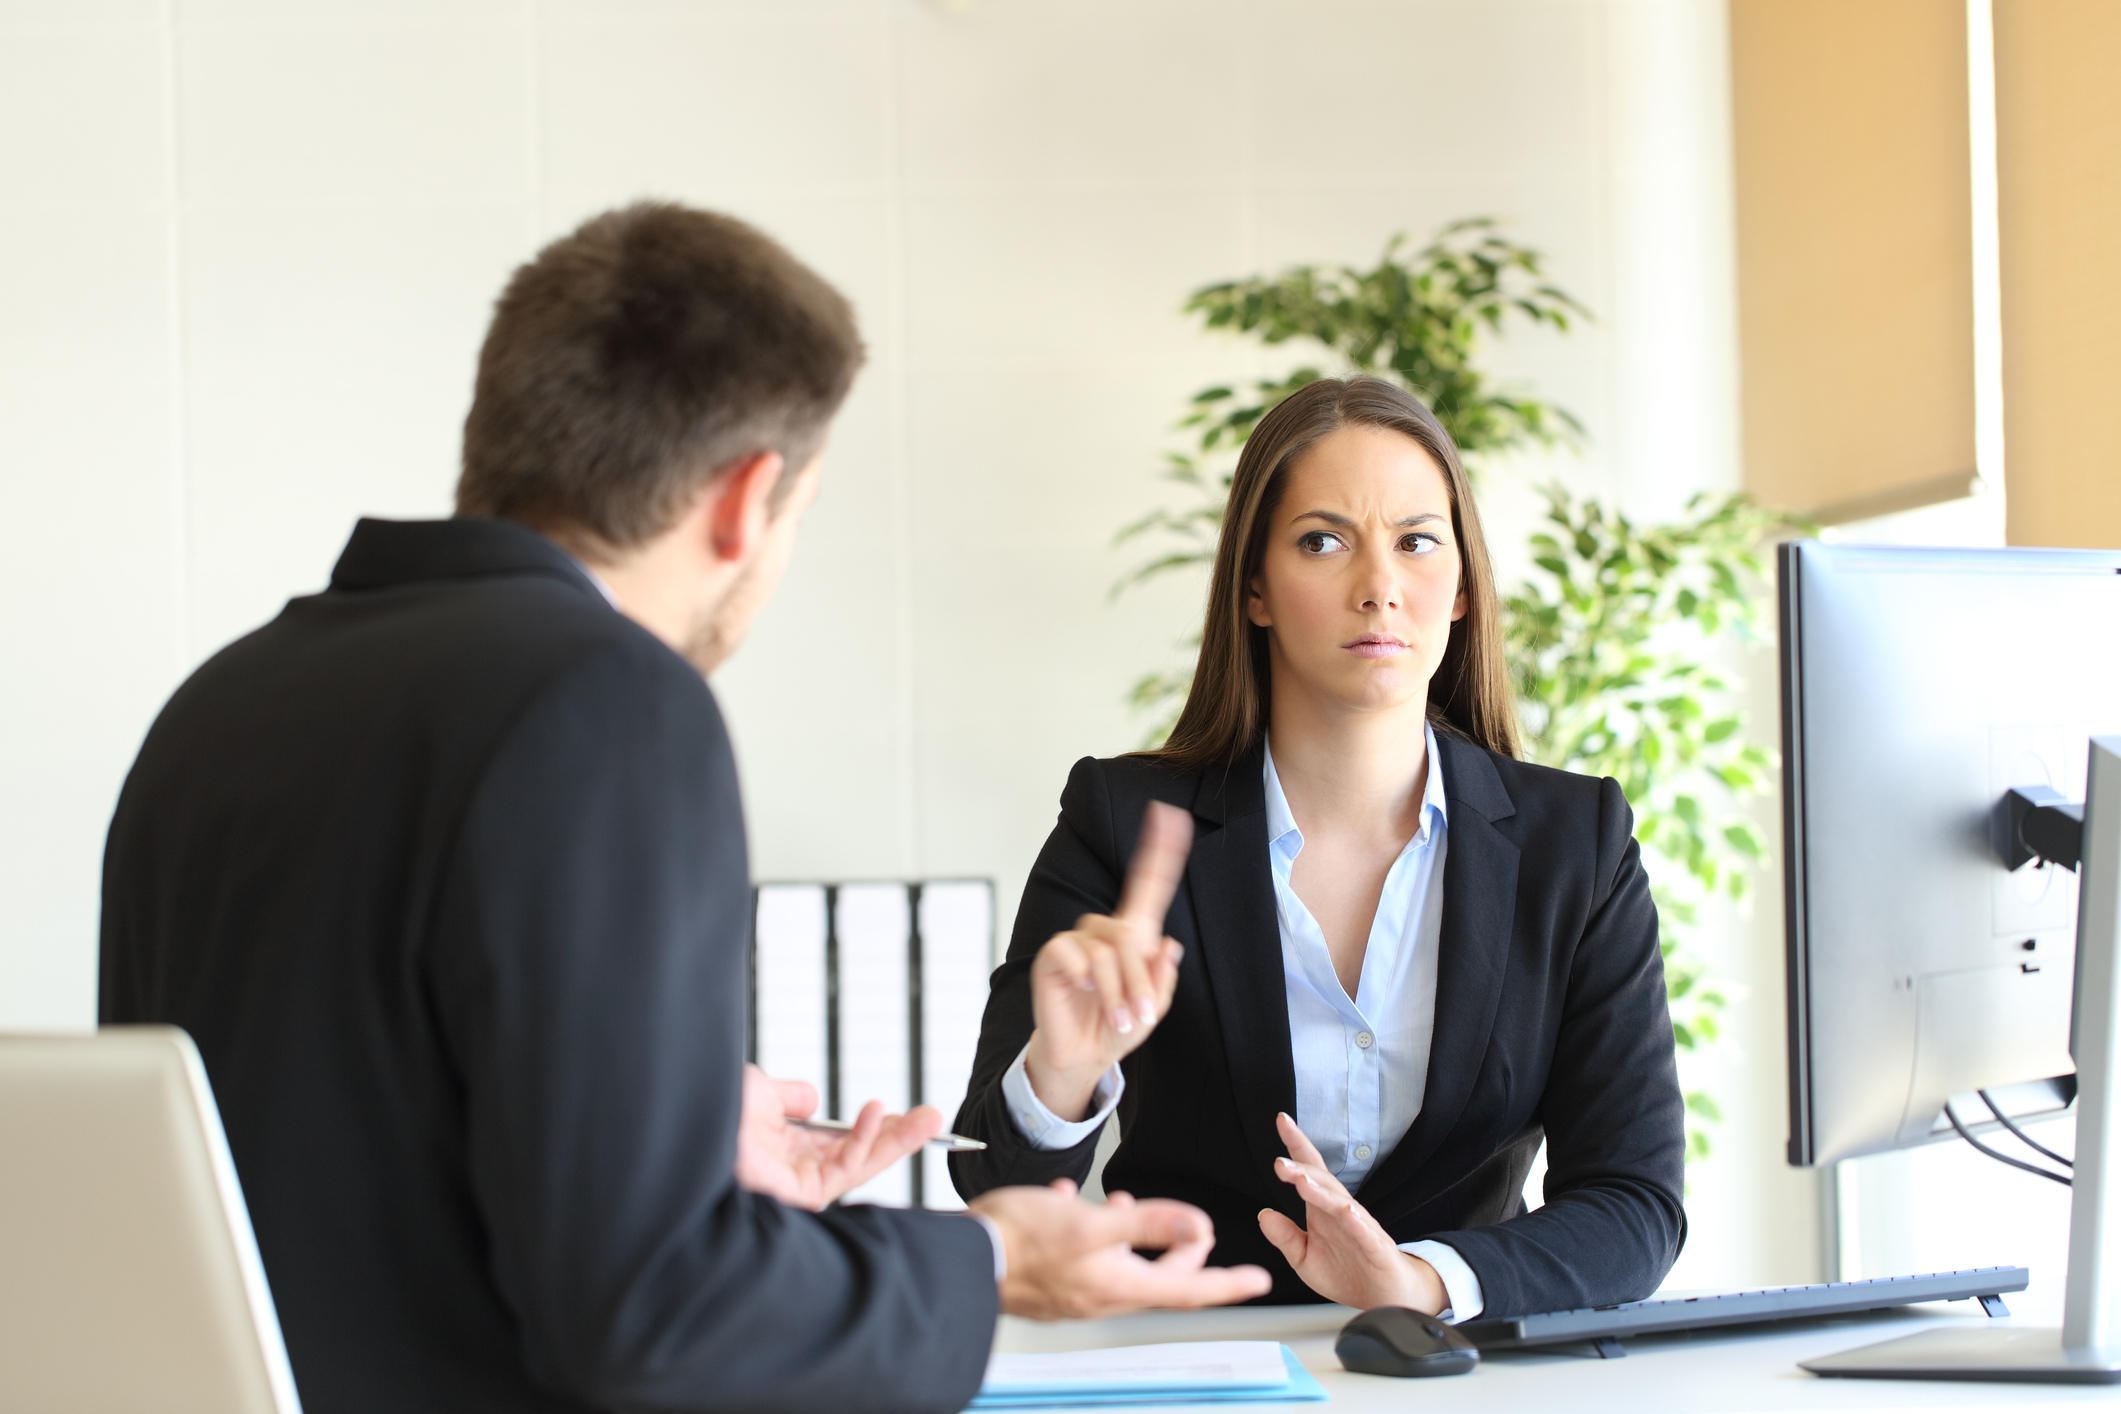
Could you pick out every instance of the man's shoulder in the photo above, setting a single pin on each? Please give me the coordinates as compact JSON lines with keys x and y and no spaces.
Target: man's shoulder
{"x":543,"y":630}
{"x":441,"y":665}
{"x":517,"y":626}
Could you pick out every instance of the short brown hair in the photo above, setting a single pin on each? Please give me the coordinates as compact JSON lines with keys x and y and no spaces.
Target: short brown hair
{"x":1226,"y":711}
{"x":635,"y":359}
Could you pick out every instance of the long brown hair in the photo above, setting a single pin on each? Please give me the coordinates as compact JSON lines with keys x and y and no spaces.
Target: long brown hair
{"x":1226,"y":710}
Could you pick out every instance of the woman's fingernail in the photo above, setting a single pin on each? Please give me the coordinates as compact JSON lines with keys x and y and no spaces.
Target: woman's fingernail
{"x":1146,"y":1010}
{"x":1122,"y":1023}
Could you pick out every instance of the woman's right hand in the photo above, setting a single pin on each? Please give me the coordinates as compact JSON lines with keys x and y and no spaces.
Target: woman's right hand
{"x":1099,"y":989}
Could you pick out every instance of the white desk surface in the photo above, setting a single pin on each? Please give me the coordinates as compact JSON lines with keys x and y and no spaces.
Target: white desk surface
{"x":1727,"y":1372}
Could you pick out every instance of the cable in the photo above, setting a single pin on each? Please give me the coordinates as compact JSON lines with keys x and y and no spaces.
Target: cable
{"x":2012,"y":1125}
{"x":2000,"y":1158}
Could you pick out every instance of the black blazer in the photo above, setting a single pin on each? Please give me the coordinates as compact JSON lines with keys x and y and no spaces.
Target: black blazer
{"x":444,"y":871}
{"x":1550,"y":1019}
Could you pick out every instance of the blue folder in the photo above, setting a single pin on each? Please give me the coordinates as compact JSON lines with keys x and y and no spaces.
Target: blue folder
{"x":1302,"y":1387}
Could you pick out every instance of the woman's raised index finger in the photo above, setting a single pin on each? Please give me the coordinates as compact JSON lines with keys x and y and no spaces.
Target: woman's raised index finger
{"x":1159,"y":863}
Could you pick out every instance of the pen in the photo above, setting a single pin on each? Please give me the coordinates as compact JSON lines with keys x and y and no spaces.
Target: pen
{"x":955,"y":1143}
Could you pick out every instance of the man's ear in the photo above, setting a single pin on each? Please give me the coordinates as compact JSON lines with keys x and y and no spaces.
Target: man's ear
{"x":739,"y":506}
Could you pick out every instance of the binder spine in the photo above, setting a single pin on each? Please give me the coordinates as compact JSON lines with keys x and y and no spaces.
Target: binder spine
{"x":873,"y":990}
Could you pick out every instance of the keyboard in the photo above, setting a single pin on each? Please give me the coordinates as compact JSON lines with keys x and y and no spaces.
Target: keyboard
{"x":1605,"y":1326}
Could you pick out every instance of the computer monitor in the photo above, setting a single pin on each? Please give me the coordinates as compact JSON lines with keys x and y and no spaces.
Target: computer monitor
{"x":1918,"y":687}
{"x":1949,"y":725}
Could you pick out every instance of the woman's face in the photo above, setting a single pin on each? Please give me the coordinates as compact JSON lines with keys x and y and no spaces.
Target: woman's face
{"x":1361,"y":579}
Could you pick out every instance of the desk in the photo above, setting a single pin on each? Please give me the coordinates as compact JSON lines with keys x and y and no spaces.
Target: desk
{"x":1732,"y":1371}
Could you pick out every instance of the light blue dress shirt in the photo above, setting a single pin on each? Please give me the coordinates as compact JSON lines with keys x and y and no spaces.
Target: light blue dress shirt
{"x":1362,"y":1062}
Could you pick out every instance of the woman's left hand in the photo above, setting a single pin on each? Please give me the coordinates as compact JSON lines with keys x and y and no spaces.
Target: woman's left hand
{"x":1341,"y":1252}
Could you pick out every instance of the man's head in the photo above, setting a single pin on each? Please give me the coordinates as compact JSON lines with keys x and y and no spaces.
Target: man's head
{"x":653,"y":394}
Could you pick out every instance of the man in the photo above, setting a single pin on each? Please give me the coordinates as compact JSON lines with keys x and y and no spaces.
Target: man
{"x":444,"y":871}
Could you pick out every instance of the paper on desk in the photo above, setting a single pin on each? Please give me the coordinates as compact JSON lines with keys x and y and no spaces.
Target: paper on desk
{"x":1200,"y":1364}
{"x":1200,"y":1372}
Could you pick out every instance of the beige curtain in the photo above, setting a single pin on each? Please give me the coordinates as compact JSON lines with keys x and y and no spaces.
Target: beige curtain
{"x":1855,"y":273}
{"x":2058,"y":171}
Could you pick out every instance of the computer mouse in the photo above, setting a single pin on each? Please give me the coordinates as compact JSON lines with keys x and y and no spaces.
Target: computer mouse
{"x":1392,"y":1340}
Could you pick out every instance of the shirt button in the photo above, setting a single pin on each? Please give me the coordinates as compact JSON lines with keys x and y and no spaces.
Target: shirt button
{"x":1363,"y":1039}
{"x":1362,"y":1151}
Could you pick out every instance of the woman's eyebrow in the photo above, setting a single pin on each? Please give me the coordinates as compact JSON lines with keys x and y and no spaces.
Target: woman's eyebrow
{"x":1343,"y":523}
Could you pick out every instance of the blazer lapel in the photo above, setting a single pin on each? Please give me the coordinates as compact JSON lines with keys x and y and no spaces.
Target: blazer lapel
{"x":1479,"y":907}
{"x":1240,"y":948}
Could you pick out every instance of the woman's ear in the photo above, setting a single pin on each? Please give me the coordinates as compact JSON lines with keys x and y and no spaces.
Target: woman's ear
{"x":1458,"y":605}
{"x":1256,"y":607}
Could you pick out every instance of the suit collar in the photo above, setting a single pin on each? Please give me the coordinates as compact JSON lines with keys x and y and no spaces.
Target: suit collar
{"x":386,"y":553}
{"x":1469,"y":776}
{"x":1233,"y":791}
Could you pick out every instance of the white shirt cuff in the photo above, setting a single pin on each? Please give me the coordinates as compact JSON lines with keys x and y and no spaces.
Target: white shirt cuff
{"x":1459,"y":1281}
{"x":1045,"y":1129}
{"x":1001,"y":1249}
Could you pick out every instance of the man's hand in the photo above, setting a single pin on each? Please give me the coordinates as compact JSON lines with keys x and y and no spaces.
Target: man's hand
{"x":1341,"y":1252}
{"x":1099,"y":989}
{"x":806,"y":1169}
{"x":1068,"y":1258}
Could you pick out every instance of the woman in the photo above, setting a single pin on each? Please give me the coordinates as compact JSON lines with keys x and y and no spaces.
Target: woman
{"x":1408,"y":955}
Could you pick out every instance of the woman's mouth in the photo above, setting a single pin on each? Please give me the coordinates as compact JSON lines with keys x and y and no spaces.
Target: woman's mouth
{"x":1375,"y":645}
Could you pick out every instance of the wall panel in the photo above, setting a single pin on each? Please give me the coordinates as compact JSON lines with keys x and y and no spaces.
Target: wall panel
{"x":321,"y":200}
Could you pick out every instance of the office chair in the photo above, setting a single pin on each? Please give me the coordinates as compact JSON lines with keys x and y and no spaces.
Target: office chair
{"x":129,"y":1277}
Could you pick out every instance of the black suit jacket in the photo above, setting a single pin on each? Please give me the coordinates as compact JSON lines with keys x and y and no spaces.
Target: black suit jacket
{"x":444,"y":871}
{"x":1550,"y":1019}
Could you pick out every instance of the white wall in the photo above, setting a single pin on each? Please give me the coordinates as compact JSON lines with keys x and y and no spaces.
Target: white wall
{"x":249,"y":249}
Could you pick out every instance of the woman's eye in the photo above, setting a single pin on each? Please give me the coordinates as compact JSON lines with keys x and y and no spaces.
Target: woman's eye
{"x":1421,"y":543}
{"x":1318,"y":542}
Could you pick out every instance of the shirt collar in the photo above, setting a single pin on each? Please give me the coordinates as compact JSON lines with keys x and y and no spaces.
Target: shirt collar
{"x":598,"y":580}
{"x":1280,"y":822}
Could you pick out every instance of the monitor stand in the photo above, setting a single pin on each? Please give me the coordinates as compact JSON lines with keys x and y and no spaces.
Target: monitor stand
{"x":2087,"y":1350}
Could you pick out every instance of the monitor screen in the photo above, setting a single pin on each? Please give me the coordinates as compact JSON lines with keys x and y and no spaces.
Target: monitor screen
{"x":1918,"y":686}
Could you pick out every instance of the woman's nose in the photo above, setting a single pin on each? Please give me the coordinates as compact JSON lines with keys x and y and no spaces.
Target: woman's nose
{"x":1380,"y":589}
